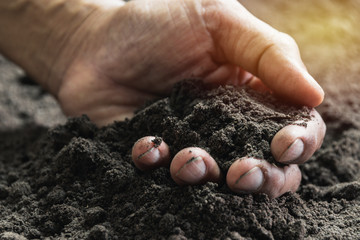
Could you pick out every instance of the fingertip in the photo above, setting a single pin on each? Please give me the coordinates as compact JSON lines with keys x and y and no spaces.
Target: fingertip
{"x":293,"y":152}
{"x":249,"y":175}
{"x":245,"y":175}
{"x":256,"y":84}
{"x":150,"y":152}
{"x":281,"y":180}
{"x":295,"y":85}
{"x":292,"y":178}
{"x":283,"y":141}
{"x":281,"y":69}
{"x":315,"y":94}
{"x":320,"y":97}
{"x":194,"y":165}
{"x":295,"y":144}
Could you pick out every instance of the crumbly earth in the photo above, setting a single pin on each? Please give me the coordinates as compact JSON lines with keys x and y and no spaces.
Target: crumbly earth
{"x":229,"y":122}
{"x":76,"y":181}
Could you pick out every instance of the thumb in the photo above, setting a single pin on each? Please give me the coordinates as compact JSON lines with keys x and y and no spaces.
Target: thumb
{"x":243,"y":40}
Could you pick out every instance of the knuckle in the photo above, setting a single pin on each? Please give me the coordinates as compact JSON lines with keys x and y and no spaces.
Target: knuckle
{"x":217,"y":14}
{"x":275,"y":184}
{"x":278,"y":183}
{"x":211,"y":13}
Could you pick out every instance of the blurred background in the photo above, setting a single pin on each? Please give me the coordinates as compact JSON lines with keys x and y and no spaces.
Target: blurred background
{"x":327,"y":32}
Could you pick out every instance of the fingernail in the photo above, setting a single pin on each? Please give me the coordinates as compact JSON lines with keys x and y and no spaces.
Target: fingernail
{"x":192,"y":171}
{"x":293,"y":152}
{"x":150,"y":156}
{"x":250,"y":181}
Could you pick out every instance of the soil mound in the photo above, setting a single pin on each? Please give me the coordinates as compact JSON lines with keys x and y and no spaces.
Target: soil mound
{"x":77,"y":181}
{"x":229,"y":122}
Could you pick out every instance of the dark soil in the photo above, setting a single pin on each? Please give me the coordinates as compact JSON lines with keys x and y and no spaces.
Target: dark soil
{"x":229,"y":122}
{"x":75,"y":181}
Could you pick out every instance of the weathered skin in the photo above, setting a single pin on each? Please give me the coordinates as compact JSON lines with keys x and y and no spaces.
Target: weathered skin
{"x":104,"y":58}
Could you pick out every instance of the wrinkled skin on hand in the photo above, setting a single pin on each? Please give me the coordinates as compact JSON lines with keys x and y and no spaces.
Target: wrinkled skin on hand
{"x":125,"y":55}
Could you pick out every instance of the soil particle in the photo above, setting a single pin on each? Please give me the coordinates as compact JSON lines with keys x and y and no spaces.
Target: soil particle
{"x":19,"y":189}
{"x":95,"y":215}
{"x":4,"y":191}
{"x":157,"y":141}
{"x":11,"y":236}
{"x":98,"y":232}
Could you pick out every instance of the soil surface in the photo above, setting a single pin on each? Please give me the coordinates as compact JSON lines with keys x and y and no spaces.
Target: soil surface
{"x":70,"y":180}
{"x":229,"y":122}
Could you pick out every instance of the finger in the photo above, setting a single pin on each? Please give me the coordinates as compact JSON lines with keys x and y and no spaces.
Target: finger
{"x":296,"y":144}
{"x":236,"y":76}
{"x":244,"y":77}
{"x":108,"y":114}
{"x":150,"y":152}
{"x":242,"y":39}
{"x":108,"y":3}
{"x":256,"y":84}
{"x":225,"y":74}
{"x":194,"y":166}
{"x":249,"y":175}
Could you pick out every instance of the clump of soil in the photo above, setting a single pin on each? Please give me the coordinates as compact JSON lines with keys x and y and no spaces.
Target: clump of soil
{"x":229,"y":122}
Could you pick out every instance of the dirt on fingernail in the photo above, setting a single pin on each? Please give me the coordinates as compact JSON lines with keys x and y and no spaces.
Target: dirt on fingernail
{"x":157,"y":141}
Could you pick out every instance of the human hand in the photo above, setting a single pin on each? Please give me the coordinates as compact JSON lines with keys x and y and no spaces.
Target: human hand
{"x":135,"y":52}
{"x":122,"y":56}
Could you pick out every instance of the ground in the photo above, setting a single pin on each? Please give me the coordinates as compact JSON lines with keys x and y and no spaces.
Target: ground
{"x":72,"y":180}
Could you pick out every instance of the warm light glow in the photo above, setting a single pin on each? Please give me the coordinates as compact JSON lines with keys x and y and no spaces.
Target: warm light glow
{"x":327,"y":32}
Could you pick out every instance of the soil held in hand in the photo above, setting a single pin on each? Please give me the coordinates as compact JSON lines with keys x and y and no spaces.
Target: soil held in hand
{"x":229,"y":122}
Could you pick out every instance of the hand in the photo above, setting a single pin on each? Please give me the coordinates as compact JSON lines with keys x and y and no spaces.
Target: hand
{"x":135,"y":52}
{"x":122,"y":56}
